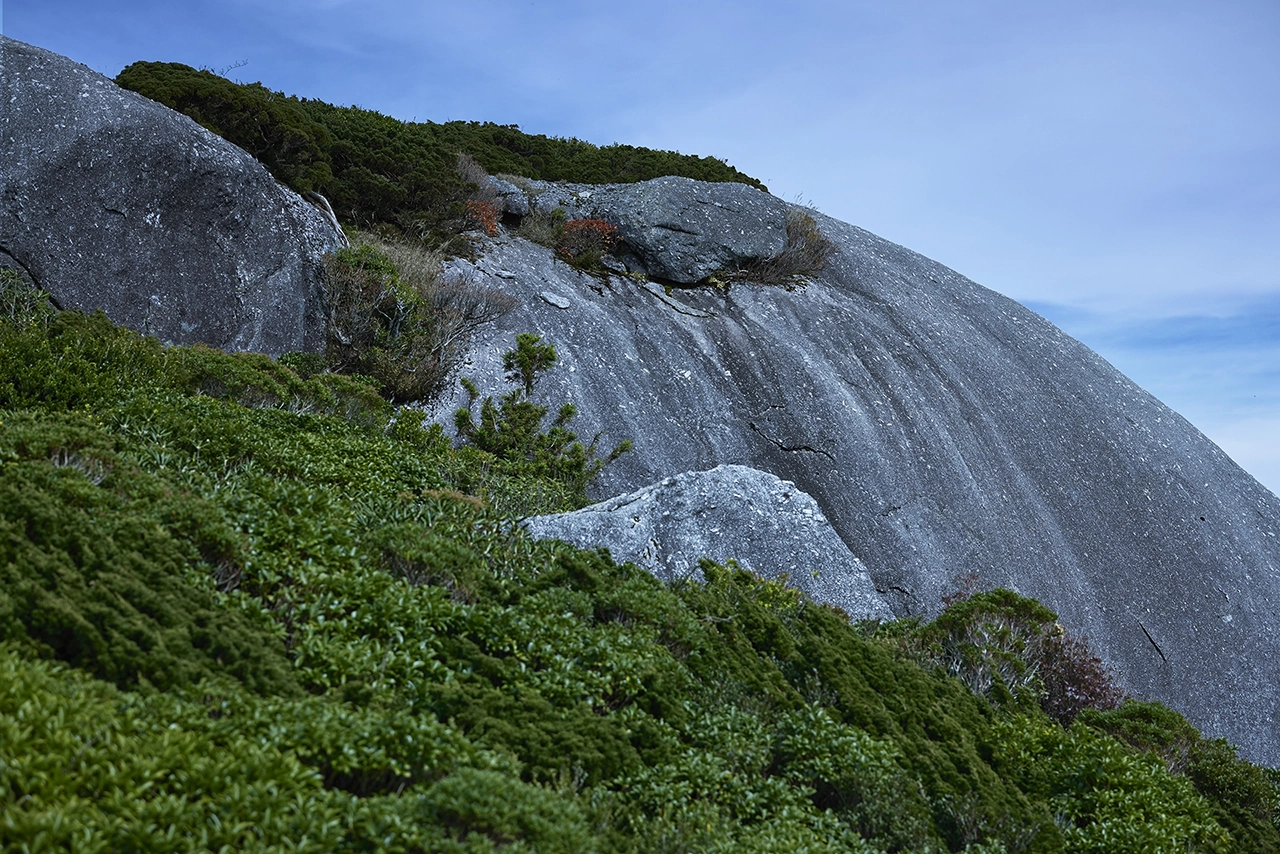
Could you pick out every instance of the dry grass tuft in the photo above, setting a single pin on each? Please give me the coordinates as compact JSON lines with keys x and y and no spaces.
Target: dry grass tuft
{"x":806,"y":253}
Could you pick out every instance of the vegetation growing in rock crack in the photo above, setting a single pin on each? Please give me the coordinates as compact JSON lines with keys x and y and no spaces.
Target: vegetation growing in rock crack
{"x":585,"y":242}
{"x":804,"y":254}
{"x":514,"y":427}
{"x":241,"y":609}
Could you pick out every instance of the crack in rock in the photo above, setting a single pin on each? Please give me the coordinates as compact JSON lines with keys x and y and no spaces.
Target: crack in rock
{"x":677,"y":307}
{"x":789,"y":448}
{"x":1158,"y":650}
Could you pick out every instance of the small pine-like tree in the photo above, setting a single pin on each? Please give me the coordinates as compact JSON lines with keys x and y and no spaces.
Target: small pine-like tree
{"x":512,"y":428}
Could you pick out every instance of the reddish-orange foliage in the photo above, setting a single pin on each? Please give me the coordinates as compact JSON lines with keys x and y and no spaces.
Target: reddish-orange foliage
{"x":591,"y":237}
{"x":485,"y":215}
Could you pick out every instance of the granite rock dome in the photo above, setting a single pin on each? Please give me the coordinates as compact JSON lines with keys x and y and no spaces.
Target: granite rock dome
{"x":953,"y":438}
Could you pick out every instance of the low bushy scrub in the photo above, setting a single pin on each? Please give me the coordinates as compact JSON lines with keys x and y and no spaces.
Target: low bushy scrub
{"x":274,"y":129}
{"x":376,"y":169}
{"x":244,"y":610}
{"x":1244,"y":798}
{"x":1104,"y":797}
{"x":584,"y":242}
{"x":513,"y":429}
{"x":1012,"y":650}
{"x":805,"y":253}
{"x":543,"y":228}
{"x":394,"y":315}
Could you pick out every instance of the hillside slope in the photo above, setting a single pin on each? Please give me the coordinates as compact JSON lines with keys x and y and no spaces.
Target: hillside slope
{"x":955,"y":440}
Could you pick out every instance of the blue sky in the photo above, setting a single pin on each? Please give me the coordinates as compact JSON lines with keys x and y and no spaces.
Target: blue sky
{"x":1114,"y":165}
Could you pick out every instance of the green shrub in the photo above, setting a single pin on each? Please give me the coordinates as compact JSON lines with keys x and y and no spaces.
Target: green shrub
{"x":393,"y":317}
{"x":74,"y":361}
{"x":1011,"y":649}
{"x":375,"y":169}
{"x":89,"y":578}
{"x":485,"y":810}
{"x":857,"y":777}
{"x":1105,"y":797}
{"x":84,"y":767}
{"x":1246,"y":800}
{"x":274,"y":129}
{"x":305,"y":365}
{"x":512,"y":428}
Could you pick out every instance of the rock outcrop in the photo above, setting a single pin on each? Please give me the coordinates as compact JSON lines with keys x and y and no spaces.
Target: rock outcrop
{"x":686,"y":230}
{"x":681,"y":230}
{"x":112,"y":201}
{"x":952,"y":438}
{"x":731,"y":512}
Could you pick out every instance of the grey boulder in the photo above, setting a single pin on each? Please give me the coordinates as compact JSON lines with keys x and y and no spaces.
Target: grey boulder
{"x":686,"y":230}
{"x":513,"y":199}
{"x":731,"y":512}
{"x":113,"y":201}
{"x":680,"y":229}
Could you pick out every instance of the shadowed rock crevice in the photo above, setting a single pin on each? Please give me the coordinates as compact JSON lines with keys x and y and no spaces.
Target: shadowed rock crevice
{"x":790,"y":449}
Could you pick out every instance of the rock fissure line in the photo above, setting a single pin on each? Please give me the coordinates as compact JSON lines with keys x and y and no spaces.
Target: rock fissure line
{"x":677,"y":229}
{"x":1158,"y":650}
{"x":677,"y":307}
{"x":789,"y":448}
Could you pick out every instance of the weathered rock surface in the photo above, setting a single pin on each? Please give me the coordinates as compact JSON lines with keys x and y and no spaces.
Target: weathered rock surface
{"x":730,"y":512}
{"x":951,"y":437}
{"x":112,"y":201}
{"x":685,"y":230}
{"x":511,"y":197}
{"x":681,"y":230}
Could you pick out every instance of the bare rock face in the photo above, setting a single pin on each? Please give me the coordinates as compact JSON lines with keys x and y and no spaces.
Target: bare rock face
{"x":685,"y":230}
{"x":953,"y":438}
{"x":112,"y":201}
{"x":681,"y":230}
{"x":736,"y":513}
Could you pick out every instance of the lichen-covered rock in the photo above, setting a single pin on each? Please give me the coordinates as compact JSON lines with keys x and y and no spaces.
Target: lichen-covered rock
{"x":953,"y":439}
{"x":767,"y":525}
{"x":112,"y":201}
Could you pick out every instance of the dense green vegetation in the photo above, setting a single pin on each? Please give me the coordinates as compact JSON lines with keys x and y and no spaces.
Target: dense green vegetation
{"x":241,"y":609}
{"x":376,"y":169}
{"x":396,"y":318}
